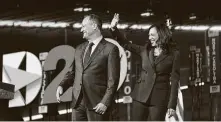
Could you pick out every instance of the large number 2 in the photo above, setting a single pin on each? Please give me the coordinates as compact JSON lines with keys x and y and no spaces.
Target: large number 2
{"x":66,"y":53}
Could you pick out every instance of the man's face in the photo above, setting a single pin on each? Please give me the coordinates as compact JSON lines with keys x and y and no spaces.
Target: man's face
{"x":88,"y":28}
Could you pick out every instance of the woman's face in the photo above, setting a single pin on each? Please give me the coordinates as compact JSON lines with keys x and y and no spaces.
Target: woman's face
{"x":153,"y":36}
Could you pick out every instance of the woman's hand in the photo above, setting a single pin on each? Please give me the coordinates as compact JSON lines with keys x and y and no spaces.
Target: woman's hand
{"x":171,"y":112}
{"x":115,"y":20}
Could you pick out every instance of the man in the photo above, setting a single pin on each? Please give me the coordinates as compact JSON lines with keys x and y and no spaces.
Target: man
{"x":95,"y":74}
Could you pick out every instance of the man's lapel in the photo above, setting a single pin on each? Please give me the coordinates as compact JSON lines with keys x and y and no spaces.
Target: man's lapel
{"x":97,"y":50}
{"x":83,"y":48}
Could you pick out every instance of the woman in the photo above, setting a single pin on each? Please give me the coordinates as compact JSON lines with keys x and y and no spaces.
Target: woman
{"x":156,"y":91}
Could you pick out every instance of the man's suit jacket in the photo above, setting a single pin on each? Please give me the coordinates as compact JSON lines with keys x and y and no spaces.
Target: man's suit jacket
{"x":98,"y":79}
{"x":153,"y":86}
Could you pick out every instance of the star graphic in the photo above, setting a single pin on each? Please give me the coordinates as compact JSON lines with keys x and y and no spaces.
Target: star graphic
{"x":17,"y":70}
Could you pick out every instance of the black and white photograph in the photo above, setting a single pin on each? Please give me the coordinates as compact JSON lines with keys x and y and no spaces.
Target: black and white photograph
{"x":110,"y":60}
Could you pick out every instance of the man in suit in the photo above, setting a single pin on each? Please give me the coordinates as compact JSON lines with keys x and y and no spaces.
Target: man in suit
{"x":95,"y":74}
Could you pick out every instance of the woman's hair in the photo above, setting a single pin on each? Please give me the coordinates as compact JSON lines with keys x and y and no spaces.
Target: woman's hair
{"x":165,"y":40}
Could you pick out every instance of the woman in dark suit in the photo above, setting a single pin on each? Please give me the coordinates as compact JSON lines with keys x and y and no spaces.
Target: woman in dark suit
{"x":156,"y":91}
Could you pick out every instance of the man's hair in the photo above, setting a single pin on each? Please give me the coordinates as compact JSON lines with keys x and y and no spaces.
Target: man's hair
{"x":96,"y":19}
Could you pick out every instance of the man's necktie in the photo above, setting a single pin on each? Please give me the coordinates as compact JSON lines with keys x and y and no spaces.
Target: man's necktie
{"x":88,"y":53}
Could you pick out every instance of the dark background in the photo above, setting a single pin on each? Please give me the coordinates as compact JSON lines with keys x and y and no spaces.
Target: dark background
{"x":42,"y":40}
